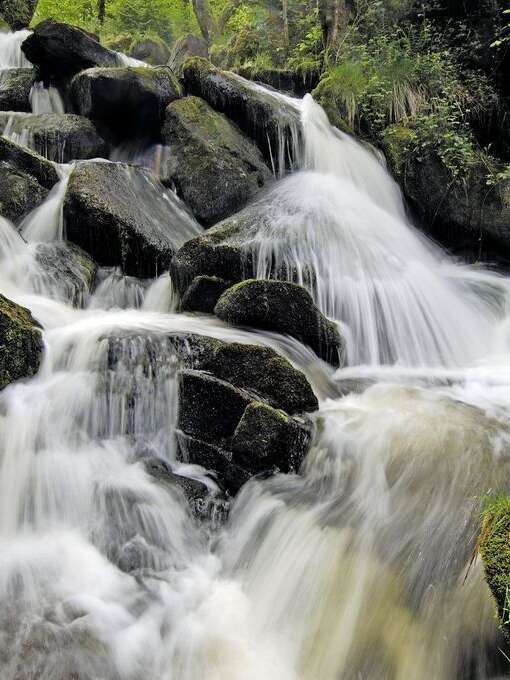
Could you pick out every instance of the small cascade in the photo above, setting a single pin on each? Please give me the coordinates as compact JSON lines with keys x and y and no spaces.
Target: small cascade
{"x":11,"y":55}
{"x":46,"y":99}
{"x":46,"y":223}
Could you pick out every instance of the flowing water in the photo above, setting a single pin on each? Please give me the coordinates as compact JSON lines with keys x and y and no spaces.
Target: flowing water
{"x":361,"y":566}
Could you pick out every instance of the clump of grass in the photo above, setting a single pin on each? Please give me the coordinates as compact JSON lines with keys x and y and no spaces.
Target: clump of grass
{"x":494,"y":548}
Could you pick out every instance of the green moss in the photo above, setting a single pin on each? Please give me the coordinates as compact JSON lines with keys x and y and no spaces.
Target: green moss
{"x":494,"y":548}
{"x":20,"y":343}
{"x":398,"y":142}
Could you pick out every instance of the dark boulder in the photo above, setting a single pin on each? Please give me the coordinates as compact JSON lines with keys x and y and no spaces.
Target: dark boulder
{"x":69,"y":269}
{"x":21,"y":345}
{"x":186,"y":47}
{"x":25,"y":180}
{"x":59,"y":50}
{"x":129,"y":101}
{"x":151,"y":51}
{"x":285,"y":308}
{"x":272,"y":121}
{"x":255,"y":368}
{"x":17,"y":13}
{"x":15,"y":86}
{"x":34,"y":164}
{"x":59,"y":137}
{"x":266,"y":437}
{"x":220,"y":252}
{"x":203,"y":294}
{"x":214,"y":167}
{"x":212,"y":457}
{"x":209,"y":408}
{"x":122,"y":216}
{"x":230,"y":432}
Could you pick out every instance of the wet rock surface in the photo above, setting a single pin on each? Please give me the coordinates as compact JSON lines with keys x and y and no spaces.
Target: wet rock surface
{"x":21,"y":345}
{"x":219,"y":423}
{"x":215,"y":168}
{"x":15,"y":86}
{"x":25,"y":180}
{"x":59,"y":137}
{"x":203,"y":294}
{"x":270,"y":122}
{"x":123,"y":217}
{"x":285,"y":308}
{"x":60,"y":50}
{"x":129,"y":101}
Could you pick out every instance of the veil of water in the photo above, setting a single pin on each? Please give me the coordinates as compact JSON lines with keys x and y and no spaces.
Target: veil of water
{"x":360,"y":567}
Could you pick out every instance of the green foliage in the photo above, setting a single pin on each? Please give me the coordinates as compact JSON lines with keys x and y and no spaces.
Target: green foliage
{"x":494,"y":547}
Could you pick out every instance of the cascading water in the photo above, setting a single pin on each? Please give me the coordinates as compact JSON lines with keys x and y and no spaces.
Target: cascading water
{"x":356,"y":568}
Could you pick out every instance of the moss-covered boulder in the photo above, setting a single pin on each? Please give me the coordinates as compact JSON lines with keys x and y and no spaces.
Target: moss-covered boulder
{"x":215,"y":168}
{"x":21,"y":344}
{"x":272,"y":121}
{"x":59,"y":50}
{"x":185,"y":47}
{"x":218,"y":252}
{"x":461,"y":211}
{"x":232,"y":433}
{"x":17,"y":13}
{"x":255,"y":368}
{"x":25,"y":180}
{"x":15,"y":86}
{"x":150,"y":50}
{"x":123,"y":217}
{"x":494,"y":545}
{"x":59,"y":137}
{"x":69,"y":269}
{"x":285,"y":308}
{"x":129,"y":101}
{"x":203,"y":294}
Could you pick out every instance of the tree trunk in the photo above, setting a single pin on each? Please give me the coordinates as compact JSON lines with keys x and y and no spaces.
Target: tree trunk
{"x":285,"y":18}
{"x":335,"y":16}
{"x":205,"y":19}
{"x":101,"y":10}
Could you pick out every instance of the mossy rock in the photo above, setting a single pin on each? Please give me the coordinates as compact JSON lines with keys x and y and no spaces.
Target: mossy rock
{"x":25,"y":180}
{"x":123,"y":217}
{"x":268,"y":120}
{"x":494,"y":548}
{"x":284,"y":308}
{"x":235,"y":435}
{"x":15,"y":86}
{"x":129,"y":101}
{"x":215,"y":168}
{"x":203,"y":294}
{"x":60,"y":50}
{"x":21,"y":345}
{"x":17,"y":14}
{"x":59,"y":137}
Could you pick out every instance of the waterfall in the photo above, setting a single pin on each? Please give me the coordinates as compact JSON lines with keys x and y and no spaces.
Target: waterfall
{"x":360,"y":566}
{"x":11,"y":55}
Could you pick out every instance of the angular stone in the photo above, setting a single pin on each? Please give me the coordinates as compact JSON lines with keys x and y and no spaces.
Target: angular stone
{"x":129,"y":101}
{"x":60,"y":51}
{"x":203,"y":294}
{"x":214,"y":167}
{"x":21,"y":345}
{"x":123,"y":217}
{"x":285,"y":308}
{"x":15,"y":86}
